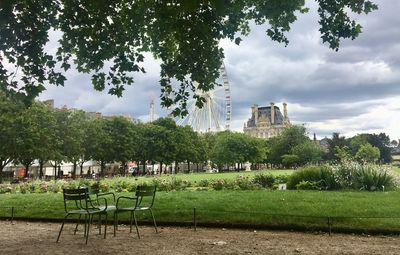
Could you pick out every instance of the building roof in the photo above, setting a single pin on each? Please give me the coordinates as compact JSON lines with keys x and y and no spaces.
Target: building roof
{"x":265,"y":112}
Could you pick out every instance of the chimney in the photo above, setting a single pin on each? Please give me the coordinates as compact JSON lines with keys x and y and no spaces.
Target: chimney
{"x":272,"y":113}
{"x":285,"y":115}
{"x":254,"y":110}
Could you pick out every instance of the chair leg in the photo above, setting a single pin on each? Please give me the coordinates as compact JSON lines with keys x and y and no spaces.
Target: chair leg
{"x":105,"y":227}
{"x":99,"y":224}
{"x":154,"y":220}
{"x":85,"y":228}
{"x":90,"y":217}
{"x":115,"y":221}
{"x":62,"y":226}
{"x":77,"y":224}
{"x":137,"y":229}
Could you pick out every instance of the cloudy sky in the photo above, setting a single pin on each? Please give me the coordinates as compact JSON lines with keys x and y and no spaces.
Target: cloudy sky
{"x":355,"y":90}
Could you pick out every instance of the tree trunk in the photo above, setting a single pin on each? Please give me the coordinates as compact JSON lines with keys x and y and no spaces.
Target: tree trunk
{"x":26,"y":165}
{"x":144,"y":167}
{"x":41,"y":163}
{"x":102,"y":164}
{"x":188,"y":163}
{"x":81,"y":168}
{"x":1,"y":171}
{"x":74,"y":170}
{"x":55,"y":170}
{"x":197,"y":167}
{"x":161,"y":168}
{"x":123,"y":168}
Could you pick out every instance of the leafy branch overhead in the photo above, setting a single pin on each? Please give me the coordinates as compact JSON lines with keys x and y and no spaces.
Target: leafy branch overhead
{"x":108,"y":39}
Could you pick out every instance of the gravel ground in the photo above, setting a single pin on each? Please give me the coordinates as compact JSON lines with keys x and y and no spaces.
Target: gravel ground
{"x":39,"y":238}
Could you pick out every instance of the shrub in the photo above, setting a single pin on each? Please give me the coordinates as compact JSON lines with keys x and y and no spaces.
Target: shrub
{"x":279,"y":179}
{"x":307,"y":185}
{"x":328,"y":180}
{"x":7,"y":188}
{"x":346,"y":175}
{"x":244,"y":183}
{"x":104,"y":186}
{"x":24,"y":187}
{"x":310,"y":173}
{"x":374,"y":178}
{"x":264,"y":180}
{"x":163,"y":184}
{"x":204,"y":183}
{"x":218,"y":184}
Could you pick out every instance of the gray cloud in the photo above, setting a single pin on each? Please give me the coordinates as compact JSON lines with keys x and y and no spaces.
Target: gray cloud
{"x":331,"y":91}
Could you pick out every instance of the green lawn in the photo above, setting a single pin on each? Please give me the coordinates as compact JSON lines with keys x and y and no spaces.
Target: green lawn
{"x":306,"y":209}
{"x":396,"y":169}
{"x":195,"y":177}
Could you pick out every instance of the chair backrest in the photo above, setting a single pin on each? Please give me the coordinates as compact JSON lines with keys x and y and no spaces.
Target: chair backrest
{"x":78,"y":196}
{"x":145,"y":195}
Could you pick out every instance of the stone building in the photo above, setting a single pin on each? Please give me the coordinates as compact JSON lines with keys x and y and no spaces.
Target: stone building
{"x":267,"y":121}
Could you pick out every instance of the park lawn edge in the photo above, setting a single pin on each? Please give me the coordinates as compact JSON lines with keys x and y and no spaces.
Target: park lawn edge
{"x":348,"y":211}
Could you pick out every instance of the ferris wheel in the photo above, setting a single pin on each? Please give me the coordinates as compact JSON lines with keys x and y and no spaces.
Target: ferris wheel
{"x":215,"y":115}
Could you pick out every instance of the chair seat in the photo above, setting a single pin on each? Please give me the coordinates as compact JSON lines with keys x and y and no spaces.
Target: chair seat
{"x":80,"y":211}
{"x":139,"y":208}
{"x":142,"y":201}
{"x":108,"y":208}
{"x":89,"y":211}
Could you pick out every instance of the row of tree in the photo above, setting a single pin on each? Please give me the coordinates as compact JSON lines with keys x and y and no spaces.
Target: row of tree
{"x":46,"y":134}
{"x":369,"y":147}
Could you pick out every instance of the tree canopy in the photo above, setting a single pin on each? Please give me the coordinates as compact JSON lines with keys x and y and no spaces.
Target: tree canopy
{"x":108,"y":39}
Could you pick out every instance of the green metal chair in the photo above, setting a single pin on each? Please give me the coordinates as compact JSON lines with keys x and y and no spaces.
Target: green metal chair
{"x":143,"y":200}
{"x":110,"y":205}
{"x":78,"y":202}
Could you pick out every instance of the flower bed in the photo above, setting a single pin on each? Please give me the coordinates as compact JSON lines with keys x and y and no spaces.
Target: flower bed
{"x":128,"y":184}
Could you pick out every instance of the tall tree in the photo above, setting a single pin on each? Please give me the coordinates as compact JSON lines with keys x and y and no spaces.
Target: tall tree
{"x":284,"y":144}
{"x":368,"y":153}
{"x":9,"y":110}
{"x":308,"y":152}
{"x":356,"y":142}
{"x":35,"y":129}
{"x":123,"y":141}
{"x":98,"y":142}
{"x":335,"y":143}
{"x":109,"y":39}
{"x":74,"y":138}
{"x":382,"y":142}
{"x":167,"y":147}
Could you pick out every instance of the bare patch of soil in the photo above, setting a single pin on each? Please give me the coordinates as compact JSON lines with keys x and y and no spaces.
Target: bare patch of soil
{"x":39,"y":238}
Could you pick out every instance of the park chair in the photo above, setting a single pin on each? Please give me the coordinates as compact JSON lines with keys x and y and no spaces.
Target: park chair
{"x":143,"y":200}
{"x":78,"y":202}
{"x":110,"y":205}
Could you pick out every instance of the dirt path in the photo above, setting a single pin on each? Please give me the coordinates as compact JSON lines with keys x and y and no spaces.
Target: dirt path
{"x":39,"y":238}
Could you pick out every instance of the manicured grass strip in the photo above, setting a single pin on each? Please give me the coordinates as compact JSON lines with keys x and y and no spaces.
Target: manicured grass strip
{"x":195,"y":177}
{"x":360,"y":210}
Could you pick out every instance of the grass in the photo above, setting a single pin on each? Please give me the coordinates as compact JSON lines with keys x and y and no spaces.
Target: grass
{"x":396,"y":169}
{"x":195,"y":177}
{"x":306,"y":209}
